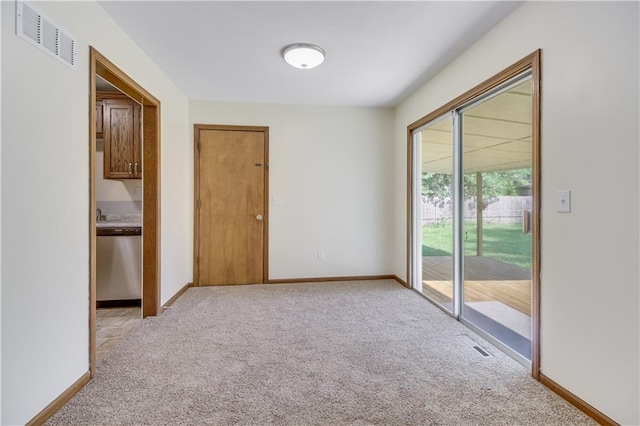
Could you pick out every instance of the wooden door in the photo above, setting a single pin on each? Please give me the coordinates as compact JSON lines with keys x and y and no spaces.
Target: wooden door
{"x":231,"y":212}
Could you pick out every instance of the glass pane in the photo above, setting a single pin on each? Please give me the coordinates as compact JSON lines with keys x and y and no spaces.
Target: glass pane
{"x":437,"y":212}
{"x":497,"y":161}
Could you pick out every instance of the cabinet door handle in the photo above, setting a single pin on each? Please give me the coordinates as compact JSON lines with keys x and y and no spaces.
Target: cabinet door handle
{"x":129,"y":168}
{"x":135,"y":168}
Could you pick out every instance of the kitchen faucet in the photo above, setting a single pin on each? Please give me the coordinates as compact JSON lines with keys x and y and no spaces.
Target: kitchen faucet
{"x":99,"y":214}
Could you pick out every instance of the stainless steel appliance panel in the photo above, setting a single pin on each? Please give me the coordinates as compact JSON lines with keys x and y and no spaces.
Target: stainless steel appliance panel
{"x":119,"y":268}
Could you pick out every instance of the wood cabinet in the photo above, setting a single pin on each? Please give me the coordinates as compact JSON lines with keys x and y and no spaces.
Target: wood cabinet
{"x":121,"y":133}
{"x":99,"y":119}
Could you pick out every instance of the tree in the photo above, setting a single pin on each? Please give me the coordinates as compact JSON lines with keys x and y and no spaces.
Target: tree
{"x":437,"y":188}
{"x":504,"y":183}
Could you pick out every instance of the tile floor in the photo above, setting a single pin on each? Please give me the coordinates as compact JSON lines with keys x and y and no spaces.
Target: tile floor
{"x":112,"y":325}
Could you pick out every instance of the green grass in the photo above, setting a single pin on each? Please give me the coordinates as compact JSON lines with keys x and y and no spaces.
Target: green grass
{"x":504,"y":242}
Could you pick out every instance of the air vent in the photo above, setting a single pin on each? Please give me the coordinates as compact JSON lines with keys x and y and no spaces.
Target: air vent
{"x":471,"y":343}
{"x":29,"y":24}
{"x":67,"y":49}
{"x":50,"y":37}
{"x":482,"y":351}
{"x":43,"y":33}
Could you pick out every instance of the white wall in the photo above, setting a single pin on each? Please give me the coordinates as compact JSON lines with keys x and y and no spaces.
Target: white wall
{"x":333,"y":169}
{"x":45,"y":203}
{"x":590,"y":118}
{"x":0,"y":239}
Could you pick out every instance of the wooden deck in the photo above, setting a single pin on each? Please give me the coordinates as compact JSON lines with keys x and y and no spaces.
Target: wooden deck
{"x":486,"y":279}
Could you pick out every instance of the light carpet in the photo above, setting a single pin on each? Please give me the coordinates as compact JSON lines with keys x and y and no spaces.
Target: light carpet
{"x":349,"y":353}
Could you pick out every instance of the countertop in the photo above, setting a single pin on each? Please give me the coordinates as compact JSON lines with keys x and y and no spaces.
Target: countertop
{"x":118,"y":224}
{"x":119,"y":220}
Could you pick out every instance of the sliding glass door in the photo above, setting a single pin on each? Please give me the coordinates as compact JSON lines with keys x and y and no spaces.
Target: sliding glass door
{"x":473,"y":212}
{"x":435,"y":211}
{"x":497,"y":166}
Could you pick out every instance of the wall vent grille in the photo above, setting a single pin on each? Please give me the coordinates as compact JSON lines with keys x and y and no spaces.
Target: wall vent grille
{"x":68,"y":49}
{"x":40,"y":31}
{"x":50,"y":37}
{"x":30,"y":23}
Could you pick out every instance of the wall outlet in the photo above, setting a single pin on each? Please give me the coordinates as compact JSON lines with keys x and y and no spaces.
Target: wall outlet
{"x":277,"y":201}
{"x":320,"y":254}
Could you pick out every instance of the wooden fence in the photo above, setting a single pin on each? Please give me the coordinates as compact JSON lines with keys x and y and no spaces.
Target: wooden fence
{"x":497,"y":210}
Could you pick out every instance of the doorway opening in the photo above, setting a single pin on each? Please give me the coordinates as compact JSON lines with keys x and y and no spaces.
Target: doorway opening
{"x":474,"y":209}
{"x":149,"y":115}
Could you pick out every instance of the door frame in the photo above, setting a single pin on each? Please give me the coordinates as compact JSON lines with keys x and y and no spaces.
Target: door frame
{"x":100,"y":65}
{"x":196,"y":190}
{"x":530,"y":62}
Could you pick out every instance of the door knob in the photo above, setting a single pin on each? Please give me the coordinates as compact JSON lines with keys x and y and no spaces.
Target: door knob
{"x":259,"y":217}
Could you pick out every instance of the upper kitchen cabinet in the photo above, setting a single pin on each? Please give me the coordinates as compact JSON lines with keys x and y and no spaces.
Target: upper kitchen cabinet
{"x":122,"y":142}
{"x":99,"y":119}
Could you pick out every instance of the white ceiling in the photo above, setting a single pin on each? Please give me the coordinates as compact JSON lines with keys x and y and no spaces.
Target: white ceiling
{"x":377,"y":52}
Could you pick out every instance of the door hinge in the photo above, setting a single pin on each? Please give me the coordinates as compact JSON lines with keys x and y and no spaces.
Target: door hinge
{"x":198,"y":146}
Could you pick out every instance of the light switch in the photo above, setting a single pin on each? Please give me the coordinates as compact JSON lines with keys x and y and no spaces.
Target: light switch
{"x":563,"y":201}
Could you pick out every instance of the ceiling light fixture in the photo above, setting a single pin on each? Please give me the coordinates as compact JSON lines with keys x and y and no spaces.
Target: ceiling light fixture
{"x":303,"y":55}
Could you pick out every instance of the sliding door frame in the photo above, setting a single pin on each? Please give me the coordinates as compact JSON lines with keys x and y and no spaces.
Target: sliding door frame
{"x":529,"y":63}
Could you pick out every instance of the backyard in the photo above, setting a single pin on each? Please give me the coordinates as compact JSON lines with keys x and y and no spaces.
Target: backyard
{"x":504,"y":242}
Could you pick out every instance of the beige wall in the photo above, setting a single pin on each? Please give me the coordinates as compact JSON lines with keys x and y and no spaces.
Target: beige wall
{"x":112,"y":189}
{"x":590,"y":133}
{"x":342,"y":175}
{"x":1,"y":217}
{"x":333,"y":169}
{"x":45,"y":214}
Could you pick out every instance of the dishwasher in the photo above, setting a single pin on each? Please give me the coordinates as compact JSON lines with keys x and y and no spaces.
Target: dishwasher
{"x":118,"y":263}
